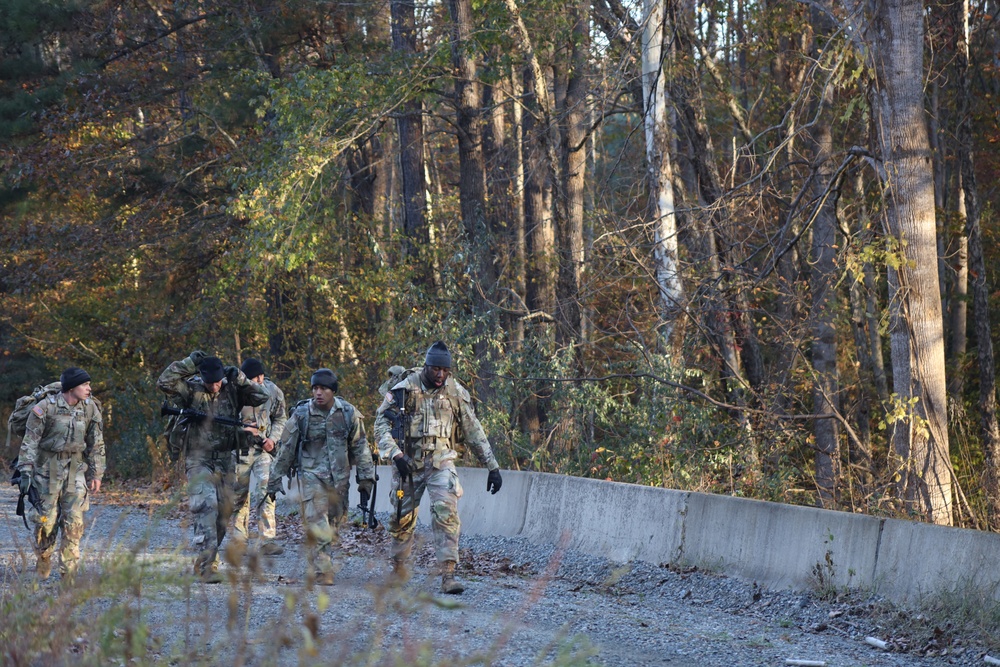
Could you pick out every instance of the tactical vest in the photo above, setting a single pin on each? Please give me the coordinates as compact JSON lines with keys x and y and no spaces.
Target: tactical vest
{"x":74,"y":420}
{"x":342,"y":415}
{"x":435,"y":418}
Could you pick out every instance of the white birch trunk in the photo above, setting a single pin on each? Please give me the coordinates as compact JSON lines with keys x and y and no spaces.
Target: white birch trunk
{"x":661,"y":192}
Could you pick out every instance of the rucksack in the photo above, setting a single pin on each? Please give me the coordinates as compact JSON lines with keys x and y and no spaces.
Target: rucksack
{"x":396,"y":374}
{"x":18,"y":420}
{"x":174,"y":437}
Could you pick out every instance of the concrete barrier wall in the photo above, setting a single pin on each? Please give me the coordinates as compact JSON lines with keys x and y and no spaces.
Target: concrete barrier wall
{"x":776,"y":545}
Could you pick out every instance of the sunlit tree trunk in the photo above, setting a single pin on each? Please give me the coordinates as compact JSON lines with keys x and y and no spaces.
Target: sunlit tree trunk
{"x":658,"y":168}
{"x":917,"y":336}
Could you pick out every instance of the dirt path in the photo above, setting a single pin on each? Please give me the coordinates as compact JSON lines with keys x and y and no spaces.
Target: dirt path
{"x":524,"y":605}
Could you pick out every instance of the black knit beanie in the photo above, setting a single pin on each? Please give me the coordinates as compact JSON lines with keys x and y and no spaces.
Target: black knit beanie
{"x":73,"y":377}
{"x":211,"y":370}
{"x":324,"y":377}
{"x":252,"y":367}
{"x":438,"y":355}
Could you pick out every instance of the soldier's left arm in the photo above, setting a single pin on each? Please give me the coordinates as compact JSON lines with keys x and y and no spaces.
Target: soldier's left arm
{"x":94,"y":454}
{"x":358,"y":452}
{"x":473,"y":433}
{"x":279,"y":414}
{"x":250,"y":393}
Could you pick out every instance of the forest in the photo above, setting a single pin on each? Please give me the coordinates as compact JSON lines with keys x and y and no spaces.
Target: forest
{"x":726,"y":246}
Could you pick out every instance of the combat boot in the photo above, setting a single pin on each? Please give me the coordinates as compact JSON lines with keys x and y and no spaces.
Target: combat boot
{"x":448,"y":583}
{"x":272,"y":549}
{"x":324,"y":578}
{"x":209,"y":573}
{"x":43,"y":567}
{"x":400,"y":572}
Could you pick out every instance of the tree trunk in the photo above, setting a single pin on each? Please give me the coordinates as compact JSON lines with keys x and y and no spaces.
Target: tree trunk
{"x":921,"y":439}
{"x":502,"y":210}
{"x":822,"y":282}
{"x":409,"y":125}
{"x":977,"y":269}
{"x":659,"y":171}
{"x":541,"y":264}
{"x":472,"y":182}
{"x":574,"y":169}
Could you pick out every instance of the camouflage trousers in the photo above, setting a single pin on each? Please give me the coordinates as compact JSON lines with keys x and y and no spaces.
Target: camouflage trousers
{"x":444,"y":490}
{"x":210,"y":480}
{"x":62,"y":488}
{"x":257,"y":462}
{"x":324,"y":502}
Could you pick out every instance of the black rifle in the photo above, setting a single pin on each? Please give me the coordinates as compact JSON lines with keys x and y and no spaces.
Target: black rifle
{"x":33,"y":497}
{"x":194,"y":415}
{"x":368,"y":519}
{"x":400,"y":427}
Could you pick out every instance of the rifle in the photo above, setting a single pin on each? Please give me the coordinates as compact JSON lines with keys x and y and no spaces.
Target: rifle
{"x":369,"y":511}
{"x":33,"y":498}
{"x":400,"y":426}
{"x":194,"y":415}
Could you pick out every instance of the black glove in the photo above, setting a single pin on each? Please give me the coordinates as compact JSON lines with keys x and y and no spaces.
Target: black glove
{"x":404,"y":465}
{"x":233,"y":374}
{"x":365,"y":486}
{"x":494,"y":481}
{"x":366,"y":495}
{"x":24,"y":484}
{"x":197,"y":356}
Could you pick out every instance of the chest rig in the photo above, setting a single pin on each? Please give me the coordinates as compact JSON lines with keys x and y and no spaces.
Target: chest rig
{"x":431,"y":420}
{"x":66,"y":425}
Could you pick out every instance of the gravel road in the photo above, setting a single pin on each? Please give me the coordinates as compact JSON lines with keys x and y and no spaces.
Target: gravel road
{"x":524,"y":604}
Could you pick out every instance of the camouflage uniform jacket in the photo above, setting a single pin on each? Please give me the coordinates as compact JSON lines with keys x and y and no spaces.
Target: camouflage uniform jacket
{"x":331,"y":443}
{"x":440,"y":421}
{"x":271,"y":416}
{"x":56,"y":427}
{"x":181,"y":384}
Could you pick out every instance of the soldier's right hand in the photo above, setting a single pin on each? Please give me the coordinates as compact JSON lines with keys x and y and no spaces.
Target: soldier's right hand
{"x":403,"y":465}
{"x":24,"y":484}
{"x":197,"y":356}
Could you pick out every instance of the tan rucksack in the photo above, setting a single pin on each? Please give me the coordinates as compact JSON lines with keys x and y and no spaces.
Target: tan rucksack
{"x":18,"y":420}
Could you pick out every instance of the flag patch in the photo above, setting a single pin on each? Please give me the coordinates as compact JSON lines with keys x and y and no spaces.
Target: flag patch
{"x":38,"y":410}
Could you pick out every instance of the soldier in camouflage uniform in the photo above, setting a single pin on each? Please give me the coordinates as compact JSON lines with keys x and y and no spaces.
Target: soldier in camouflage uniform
{"x":440,"y":419}
{"x":323,"y":438}
{"x":255,"y":457}
{"x":62,"y":456}
{"x":209,"y":462}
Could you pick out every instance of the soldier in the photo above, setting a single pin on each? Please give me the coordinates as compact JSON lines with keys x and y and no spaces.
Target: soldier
{"x":259,"y":445}
{"x":62,"y":456}
{"x":437,"y":417}
{"x":323,"y":438}
{"x":209,"y":462}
